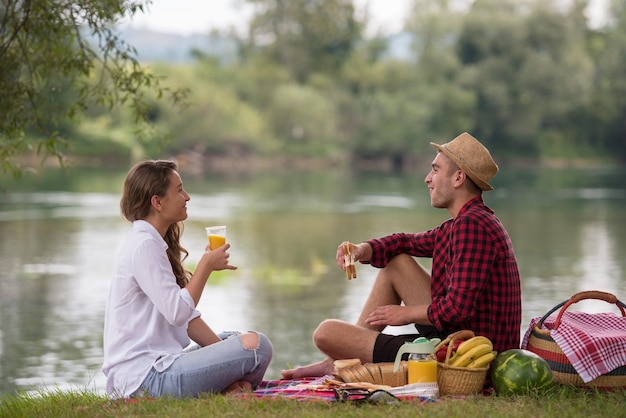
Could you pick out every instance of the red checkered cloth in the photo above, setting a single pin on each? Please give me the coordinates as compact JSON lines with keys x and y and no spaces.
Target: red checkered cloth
{"x":595,"y":344}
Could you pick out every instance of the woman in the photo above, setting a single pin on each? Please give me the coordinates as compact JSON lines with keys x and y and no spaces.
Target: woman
{"x":151,"y":314}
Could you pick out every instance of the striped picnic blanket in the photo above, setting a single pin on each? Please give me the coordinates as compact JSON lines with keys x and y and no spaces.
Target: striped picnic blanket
{"x":309,"y":389}
{"x":300,"y":389}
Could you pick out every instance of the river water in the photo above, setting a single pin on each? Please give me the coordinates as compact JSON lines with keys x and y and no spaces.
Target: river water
{"x":61,"y":231}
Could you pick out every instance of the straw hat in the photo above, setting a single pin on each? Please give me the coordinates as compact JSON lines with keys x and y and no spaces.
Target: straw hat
{"x":472,"y":158}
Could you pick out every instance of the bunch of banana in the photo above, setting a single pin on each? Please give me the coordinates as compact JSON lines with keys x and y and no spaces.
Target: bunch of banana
{"x":474,"y":353}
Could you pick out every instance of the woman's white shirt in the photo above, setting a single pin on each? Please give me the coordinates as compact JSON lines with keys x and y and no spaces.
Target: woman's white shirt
{"x":147,"y":312}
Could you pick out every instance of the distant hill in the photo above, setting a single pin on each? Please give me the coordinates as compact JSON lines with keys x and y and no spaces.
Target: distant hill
{"x":174,"y":48}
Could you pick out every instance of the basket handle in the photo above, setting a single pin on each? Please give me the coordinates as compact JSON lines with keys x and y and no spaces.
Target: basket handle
{"x":463,"y":335}
{"x":588,"y":294}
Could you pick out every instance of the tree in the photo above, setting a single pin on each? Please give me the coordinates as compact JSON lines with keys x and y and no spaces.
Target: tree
{"x":304,"y":121}
{"x":515,"y":56}
{"x":608,"y":108}
{"x":58,"y":58}
{"x":305,"y":36}
{"x":435,"y":27}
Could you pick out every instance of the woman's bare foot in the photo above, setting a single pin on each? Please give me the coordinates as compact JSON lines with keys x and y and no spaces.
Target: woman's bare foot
{"x":238,"y":387}
{"x":321,"y":368}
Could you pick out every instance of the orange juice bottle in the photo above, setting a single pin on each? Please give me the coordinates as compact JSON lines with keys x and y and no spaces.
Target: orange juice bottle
{"x":422,"y":369}
{"x":422,"y":365}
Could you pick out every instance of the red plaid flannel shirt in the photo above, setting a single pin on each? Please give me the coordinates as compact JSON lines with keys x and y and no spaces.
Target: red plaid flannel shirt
{"x":475,"y":281}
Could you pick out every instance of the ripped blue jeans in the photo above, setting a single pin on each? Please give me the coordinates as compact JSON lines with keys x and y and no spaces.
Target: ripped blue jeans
{"x":210,"y":369}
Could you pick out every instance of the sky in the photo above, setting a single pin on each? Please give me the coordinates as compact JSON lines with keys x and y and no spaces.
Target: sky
{"x":200,"y":16}
{"x":187,"y":17}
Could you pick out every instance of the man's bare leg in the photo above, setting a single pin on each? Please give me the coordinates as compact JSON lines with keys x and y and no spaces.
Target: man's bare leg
{"x":403,"y":279}
{"x":321,"y":368}
{"x":338,"y":340}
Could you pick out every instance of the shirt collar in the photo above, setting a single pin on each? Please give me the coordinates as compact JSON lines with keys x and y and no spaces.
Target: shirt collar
{"x":474,"y":202}
{"x":141,"y":225}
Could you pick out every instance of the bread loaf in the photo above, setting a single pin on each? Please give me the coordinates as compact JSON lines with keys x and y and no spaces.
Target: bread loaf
{"x":345,"y":363}
{"x":376,"y":373}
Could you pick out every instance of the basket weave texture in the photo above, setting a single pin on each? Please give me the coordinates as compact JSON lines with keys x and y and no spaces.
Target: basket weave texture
{"x":541,"y":343}
{"x":458,"y":380}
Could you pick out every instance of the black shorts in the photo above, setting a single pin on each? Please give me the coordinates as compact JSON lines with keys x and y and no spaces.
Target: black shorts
{"x":386,"y":346}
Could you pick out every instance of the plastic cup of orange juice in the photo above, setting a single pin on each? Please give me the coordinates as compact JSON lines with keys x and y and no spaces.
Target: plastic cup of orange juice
{"x":216,"y":235}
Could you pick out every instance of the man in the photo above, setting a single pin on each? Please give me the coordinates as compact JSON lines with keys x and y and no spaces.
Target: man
{"x":474,"y":283}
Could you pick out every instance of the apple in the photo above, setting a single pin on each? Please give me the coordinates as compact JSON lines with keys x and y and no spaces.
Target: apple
{"x":441,"y":353}
{"x":456,"y":345}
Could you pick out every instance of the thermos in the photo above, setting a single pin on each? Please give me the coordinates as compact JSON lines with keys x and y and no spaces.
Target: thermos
{"x":422,"y":367}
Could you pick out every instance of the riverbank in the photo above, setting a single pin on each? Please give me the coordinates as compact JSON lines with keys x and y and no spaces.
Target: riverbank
{"x":196,"y":163}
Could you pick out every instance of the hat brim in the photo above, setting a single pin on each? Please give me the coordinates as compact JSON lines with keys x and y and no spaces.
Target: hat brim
{"x":483,"y":185}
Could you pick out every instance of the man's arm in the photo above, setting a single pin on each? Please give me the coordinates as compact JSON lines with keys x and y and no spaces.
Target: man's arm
{"x":398,"y":315}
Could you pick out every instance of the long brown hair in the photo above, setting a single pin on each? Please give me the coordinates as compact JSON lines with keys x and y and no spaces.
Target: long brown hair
{"x":144,"y":180}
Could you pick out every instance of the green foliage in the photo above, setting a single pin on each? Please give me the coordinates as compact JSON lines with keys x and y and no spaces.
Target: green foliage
{"x":305,"y":37}
{"x":256,"y":79}
{"x":216,"y":121}
{"x":607,"y":112}
{"x":304,"y":121}
{"x":515,"y":63}
{"x":384,"y":128}
{"x":56,"y":60}
{"x":529,"y":79}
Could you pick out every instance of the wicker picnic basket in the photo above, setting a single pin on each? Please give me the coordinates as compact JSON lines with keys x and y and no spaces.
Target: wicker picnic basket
{"x":540,"y":342}
{"x":458,"y":380}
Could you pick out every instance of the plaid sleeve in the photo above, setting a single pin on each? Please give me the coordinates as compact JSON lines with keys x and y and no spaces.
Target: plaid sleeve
{"x":417,"y":245}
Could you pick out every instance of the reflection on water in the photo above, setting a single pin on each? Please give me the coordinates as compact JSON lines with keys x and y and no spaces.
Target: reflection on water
{"x":60,"y":239}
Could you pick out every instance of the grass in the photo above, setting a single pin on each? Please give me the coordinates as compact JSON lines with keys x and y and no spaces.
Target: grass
{"x":558,"y":402}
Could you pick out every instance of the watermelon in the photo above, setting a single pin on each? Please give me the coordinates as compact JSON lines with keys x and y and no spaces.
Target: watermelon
{"x":519,"y":372}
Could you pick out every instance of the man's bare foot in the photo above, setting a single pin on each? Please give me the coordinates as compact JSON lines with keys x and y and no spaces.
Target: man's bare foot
{"x":321,"y":368}
{"x":238,"y":387}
